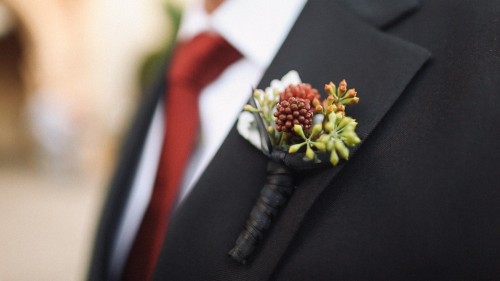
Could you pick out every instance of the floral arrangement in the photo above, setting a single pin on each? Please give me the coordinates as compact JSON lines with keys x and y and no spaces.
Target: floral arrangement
{"x":296,"y":119}
{"x":297,"y":130}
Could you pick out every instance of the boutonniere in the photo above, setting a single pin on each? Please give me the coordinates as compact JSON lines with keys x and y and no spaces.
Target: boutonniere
{"x":297,"y":130}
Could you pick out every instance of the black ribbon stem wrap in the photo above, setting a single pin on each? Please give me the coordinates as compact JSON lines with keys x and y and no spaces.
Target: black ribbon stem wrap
{"x":274,"y":194}
{"x":276,"y":191}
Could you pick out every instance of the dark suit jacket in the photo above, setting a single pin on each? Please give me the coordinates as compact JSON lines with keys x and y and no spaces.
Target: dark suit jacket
{"x":419,"y":199}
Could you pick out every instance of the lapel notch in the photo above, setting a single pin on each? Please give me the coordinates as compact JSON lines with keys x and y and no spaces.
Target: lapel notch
{"x":380,"y":13}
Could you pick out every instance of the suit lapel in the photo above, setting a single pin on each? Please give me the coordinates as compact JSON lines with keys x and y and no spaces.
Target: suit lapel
{"x":329,"y":42}
{"x":341,"y":46}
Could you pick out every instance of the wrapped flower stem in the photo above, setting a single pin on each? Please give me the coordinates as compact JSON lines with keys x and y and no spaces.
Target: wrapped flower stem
{"x":298,"y":131}
{"x":274,"y":194}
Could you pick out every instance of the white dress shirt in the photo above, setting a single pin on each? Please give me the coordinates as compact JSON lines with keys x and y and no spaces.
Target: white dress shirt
{"x":257,"y":28}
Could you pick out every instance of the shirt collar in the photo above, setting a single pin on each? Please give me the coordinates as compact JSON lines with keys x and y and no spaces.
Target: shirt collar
{"x":257,"y":28}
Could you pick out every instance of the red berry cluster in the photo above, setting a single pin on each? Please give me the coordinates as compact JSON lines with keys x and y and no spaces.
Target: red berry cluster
{"x":293,"y":111}
{"x":302,"y":90}
{"x":295,"y":108}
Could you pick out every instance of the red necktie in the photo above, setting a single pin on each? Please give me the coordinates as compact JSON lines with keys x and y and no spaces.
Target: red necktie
{"x":194,"y":65}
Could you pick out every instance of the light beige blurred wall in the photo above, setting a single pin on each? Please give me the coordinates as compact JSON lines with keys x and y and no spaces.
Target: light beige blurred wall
{"x":67,"y":91}
{"x":80,"y":66}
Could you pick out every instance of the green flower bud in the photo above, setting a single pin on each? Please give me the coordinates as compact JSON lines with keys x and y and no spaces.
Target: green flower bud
{"x":271,"y":130}
{"x":324,"y":138}
{"x":351,"y":126}
{"x":342,"y":149}
{"x":329,"y":145}
{"x":330,"y":100}
{"x":250,"y":108}
{"x":351,"y":93}
{"x":258,"y":94}
{"x":351,"y":138}
{"x":332,"y":117}
{"x":347,"y":101}
{"x":310,"y":153}
{"x":342,"y":88}
{"x":330,"y":88}
{"x":334,"y":158}
{"x":296,"y":147}
{"x":298,"y":130}
{"x":328,"y":127}
{"x":319,"y":145}
{"x":316,"y":129}
{"x":350,"y":101}
{"x":343,"y":122}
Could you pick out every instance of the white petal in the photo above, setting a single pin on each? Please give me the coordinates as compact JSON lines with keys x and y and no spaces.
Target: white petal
{"x":291,"y":78}
{"x":247,"y":127}
{"x":276,"y":84}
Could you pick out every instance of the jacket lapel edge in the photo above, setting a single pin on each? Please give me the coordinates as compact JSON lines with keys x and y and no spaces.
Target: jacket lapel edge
{"x":380,"y":61}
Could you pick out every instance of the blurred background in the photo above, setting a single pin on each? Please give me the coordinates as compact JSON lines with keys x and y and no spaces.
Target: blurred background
{"x":71,"y":75}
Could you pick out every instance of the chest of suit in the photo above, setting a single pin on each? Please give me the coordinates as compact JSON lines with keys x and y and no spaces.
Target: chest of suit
{"x":419,"y":196}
